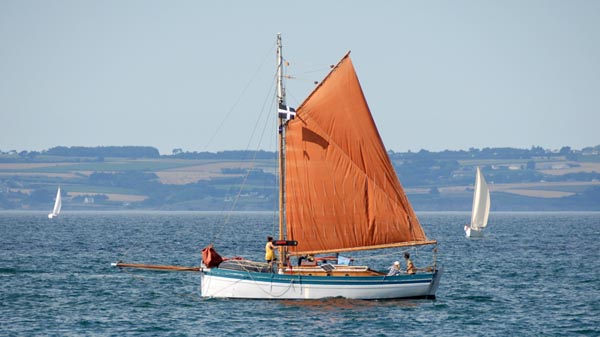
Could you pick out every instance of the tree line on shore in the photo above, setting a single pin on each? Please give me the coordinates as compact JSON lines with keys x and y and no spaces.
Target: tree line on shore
{"x":424,"y":170}
{"x":135,"y":152}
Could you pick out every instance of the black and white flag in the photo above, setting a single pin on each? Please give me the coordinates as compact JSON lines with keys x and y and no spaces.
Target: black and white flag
{"x":286,"y":112}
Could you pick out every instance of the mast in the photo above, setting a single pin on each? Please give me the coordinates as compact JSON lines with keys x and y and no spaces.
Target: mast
{"x":281,"y":140}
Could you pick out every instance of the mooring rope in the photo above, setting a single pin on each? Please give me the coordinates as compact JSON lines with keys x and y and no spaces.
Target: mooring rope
{"x":270,"y":293}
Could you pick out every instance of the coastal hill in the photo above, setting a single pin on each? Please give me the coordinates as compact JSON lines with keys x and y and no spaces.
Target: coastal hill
{"x":137,"y":177}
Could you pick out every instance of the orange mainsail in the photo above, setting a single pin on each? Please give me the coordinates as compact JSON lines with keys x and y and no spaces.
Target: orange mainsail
{"x":341,"y":190}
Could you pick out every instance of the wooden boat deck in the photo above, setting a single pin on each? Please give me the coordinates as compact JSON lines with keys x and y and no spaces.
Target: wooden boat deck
{"x":332,"y":270}
{"x":313,"y":270}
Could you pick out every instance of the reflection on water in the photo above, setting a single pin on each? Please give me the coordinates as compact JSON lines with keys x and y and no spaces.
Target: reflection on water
{"x":336,"y":303}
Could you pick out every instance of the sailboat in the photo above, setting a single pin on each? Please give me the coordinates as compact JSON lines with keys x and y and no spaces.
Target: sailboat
{"x":57,"y":205}
{"x":481,"y":207}
{"x":338,"y":193}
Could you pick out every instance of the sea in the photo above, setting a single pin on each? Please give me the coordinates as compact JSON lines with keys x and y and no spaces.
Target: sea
{"x":532,"y":274}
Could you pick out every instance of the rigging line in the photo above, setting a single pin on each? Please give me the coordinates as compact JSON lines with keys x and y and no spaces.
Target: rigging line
{"x":303,"y":79}
{"x":265,"y":112}
{"x":288,"y":94}
{"x":275,"y":207}
{"x":218,"y":129}
{"x":283,"y":292}
{"x":226,"y":219}
{"x":274,"y":140}
{"x":139,"y":278}
{"x":316,"y":66}
{"x":327,"y":68}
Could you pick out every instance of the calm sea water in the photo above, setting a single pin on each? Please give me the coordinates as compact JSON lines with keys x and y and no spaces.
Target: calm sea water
{"x":533,"y":274}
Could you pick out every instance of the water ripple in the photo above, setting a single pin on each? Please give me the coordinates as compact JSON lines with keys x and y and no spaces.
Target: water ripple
{"x":533,"y":274}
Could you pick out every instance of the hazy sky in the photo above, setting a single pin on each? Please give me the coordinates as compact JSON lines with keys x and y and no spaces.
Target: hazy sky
{"x":198,"y":75}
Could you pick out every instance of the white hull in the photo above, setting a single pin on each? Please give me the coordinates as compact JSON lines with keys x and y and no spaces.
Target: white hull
{"x":473,"y":232}
{"x":251,"y":286}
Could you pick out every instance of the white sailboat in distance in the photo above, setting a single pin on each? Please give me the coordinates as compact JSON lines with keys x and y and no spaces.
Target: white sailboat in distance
{"x":481,"y":207}
{"x":57,"y":205}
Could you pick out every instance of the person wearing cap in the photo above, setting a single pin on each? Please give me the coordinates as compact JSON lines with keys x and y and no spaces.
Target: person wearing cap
{"x":395,"y":269}
{"x":410,"y":267}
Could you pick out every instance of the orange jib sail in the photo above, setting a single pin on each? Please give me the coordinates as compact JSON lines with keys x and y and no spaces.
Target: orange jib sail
{"x":342,"y":192}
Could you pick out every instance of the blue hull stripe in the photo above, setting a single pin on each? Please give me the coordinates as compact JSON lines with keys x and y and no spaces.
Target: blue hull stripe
{"x":321,"y":280}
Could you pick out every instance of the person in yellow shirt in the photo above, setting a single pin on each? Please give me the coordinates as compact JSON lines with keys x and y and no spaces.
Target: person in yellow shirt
{"x":270,"y":250}
{"x":410,"y":267}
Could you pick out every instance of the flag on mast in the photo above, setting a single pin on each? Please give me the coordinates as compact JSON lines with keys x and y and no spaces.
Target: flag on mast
{"x":286,"y":112}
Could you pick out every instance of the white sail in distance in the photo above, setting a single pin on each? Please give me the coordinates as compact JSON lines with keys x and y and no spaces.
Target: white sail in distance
{"x":57,"y":205}
{"x":481,"y":202}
